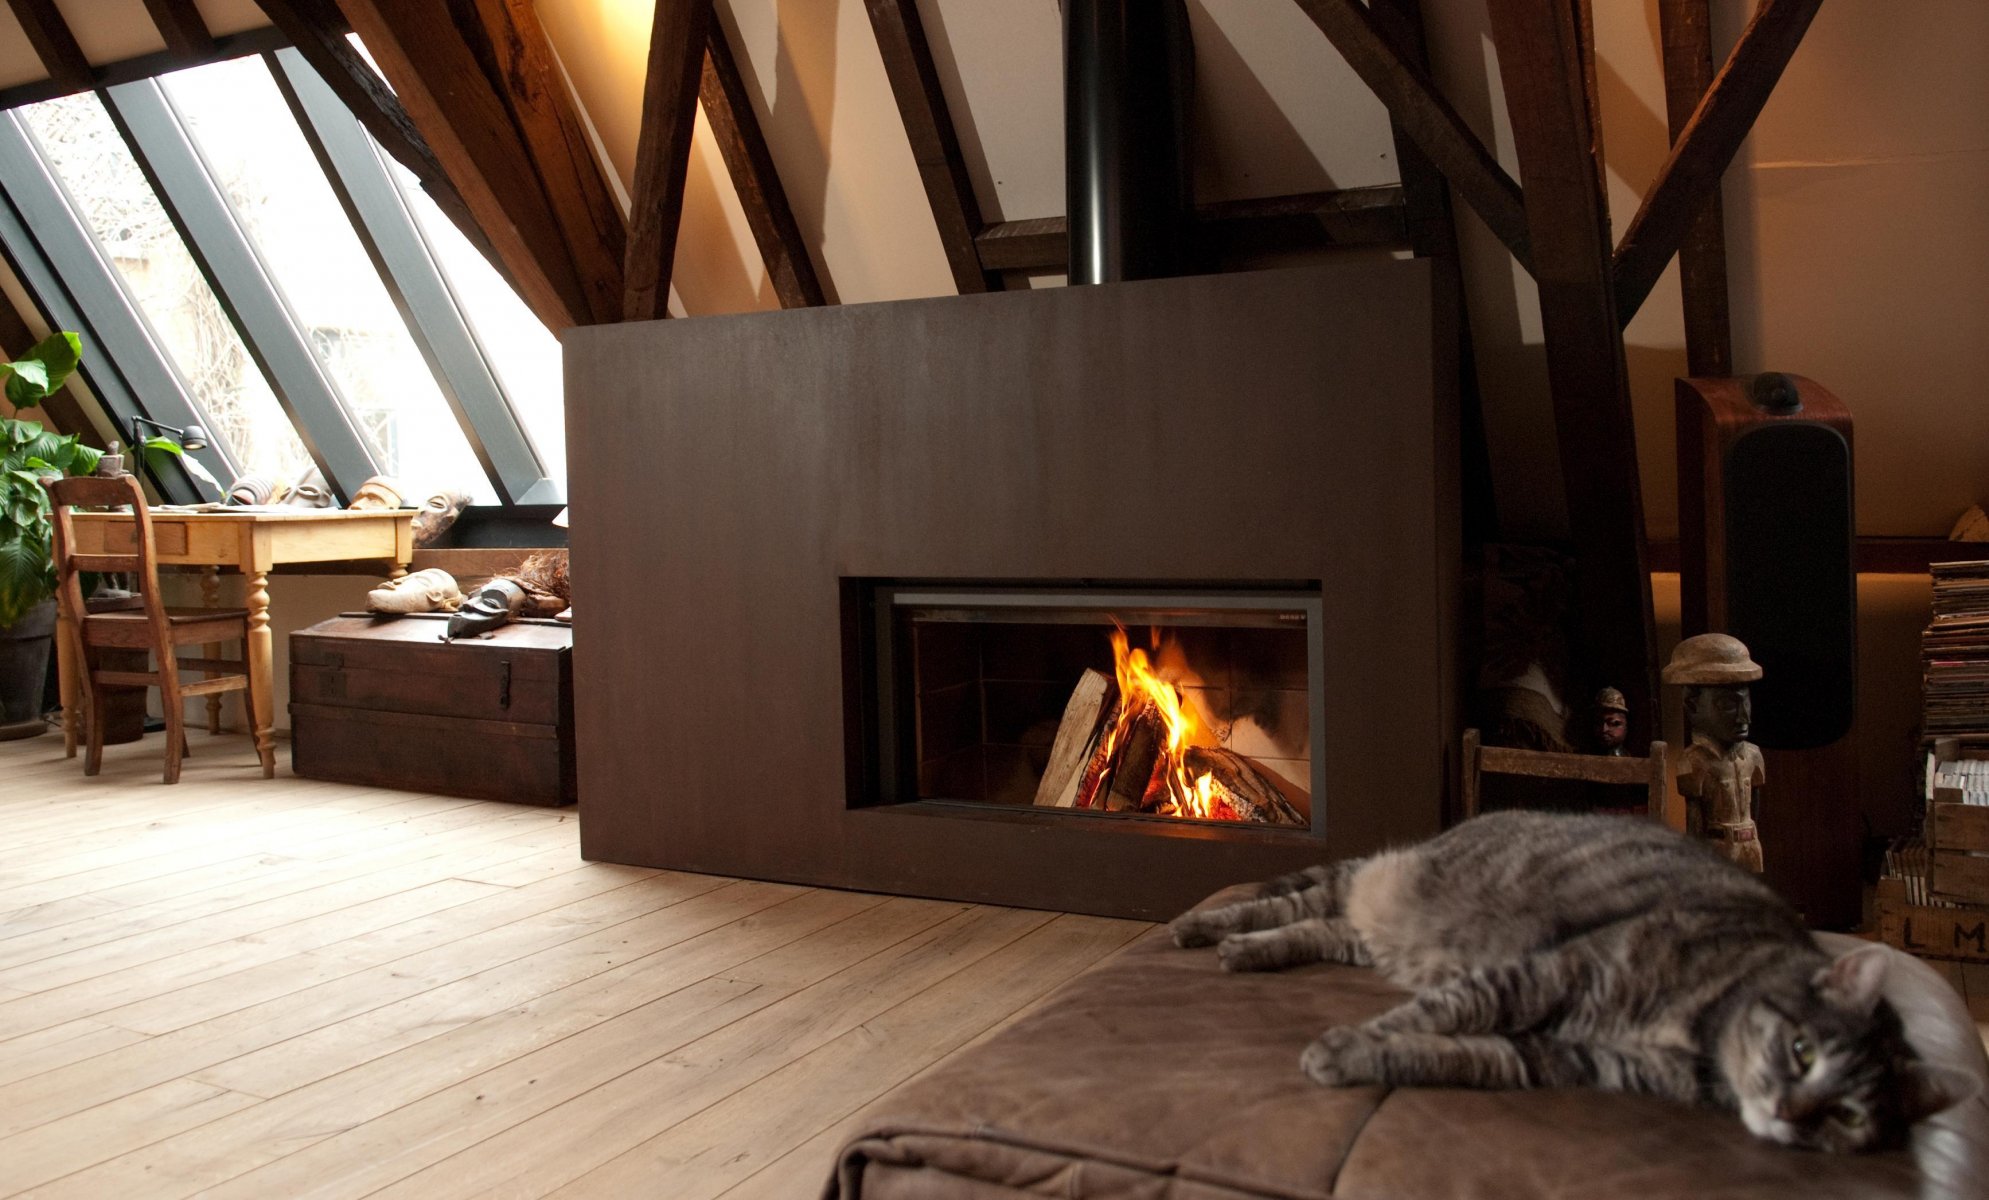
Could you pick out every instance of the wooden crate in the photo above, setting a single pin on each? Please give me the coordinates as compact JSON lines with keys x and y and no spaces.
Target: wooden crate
{"x":1958,"y":834}
{"x":1932,"y":932}
{"x":384,"y":702}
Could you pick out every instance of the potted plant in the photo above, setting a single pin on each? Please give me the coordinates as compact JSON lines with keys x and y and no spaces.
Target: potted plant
{"x":28,"y":455}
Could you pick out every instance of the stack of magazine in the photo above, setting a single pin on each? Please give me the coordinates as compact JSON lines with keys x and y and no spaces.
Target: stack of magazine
{"x":1954,"y":653}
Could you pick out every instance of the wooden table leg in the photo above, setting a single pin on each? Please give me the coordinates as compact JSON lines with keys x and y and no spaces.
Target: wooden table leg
{"x":68,"y":663}
{"x":260,"y":646}
{"x":210,"y":595}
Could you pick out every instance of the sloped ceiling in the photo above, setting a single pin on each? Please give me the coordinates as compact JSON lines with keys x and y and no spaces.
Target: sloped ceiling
{"x":1854,"y":213}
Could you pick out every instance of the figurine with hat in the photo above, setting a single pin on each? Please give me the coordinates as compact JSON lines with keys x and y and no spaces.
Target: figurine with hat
{"x":1720,"y":772}
{"x":1612,"y":722}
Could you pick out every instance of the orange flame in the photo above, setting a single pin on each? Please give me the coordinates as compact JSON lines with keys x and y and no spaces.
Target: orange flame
{"x":1141,"y":689}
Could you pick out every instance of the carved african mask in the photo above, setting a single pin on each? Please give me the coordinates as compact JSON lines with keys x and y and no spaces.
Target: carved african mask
{"x":495,"y":603}
{"x":431,"y":590}
{"x":437,"y":513}
{"x":381,"y":491}
{"x":311,"y":492}
{"x":256,"y":489}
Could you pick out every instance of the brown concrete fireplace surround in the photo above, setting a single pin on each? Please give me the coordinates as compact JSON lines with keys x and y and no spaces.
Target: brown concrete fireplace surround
{"x":851,"y":579}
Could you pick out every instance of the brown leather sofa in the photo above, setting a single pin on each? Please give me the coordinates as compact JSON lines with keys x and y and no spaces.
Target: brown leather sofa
{"x":1157,"y":1076}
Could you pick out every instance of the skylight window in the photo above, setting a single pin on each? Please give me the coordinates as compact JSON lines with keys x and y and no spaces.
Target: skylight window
{"x":108,"y":191}
{"x":244,"y":130}
{"x":238,"y":251}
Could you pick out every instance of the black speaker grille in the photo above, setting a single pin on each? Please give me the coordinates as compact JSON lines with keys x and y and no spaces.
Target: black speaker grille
{"x":1791,"y":584}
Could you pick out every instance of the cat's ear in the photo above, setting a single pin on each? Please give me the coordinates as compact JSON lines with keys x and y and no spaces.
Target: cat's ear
{"x":1927,"y":1089}
{"x":1852,"y":982}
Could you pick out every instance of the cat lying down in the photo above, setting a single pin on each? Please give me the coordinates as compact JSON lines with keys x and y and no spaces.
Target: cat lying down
{"x":1565,"y":951}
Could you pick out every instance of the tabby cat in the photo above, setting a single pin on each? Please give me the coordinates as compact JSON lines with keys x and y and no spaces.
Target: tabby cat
{"x":1558,"y":951}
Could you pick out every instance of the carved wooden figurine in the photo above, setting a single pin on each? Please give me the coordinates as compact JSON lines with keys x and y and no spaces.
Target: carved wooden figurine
{"x":1612,"y":722}
{"x":1720,"y":772}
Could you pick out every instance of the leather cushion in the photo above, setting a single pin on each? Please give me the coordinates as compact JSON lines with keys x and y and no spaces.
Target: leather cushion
{"x":1156,"y":1075}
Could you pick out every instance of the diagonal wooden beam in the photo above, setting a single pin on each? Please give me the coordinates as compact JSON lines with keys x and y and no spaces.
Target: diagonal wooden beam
{"x":584,"y":207}
{"x":678,"y":36}
{"x":1708,"y":144}
{"x":1421,"y":112}
{"x":49,"y":34}
{"x":1542,"y":51}
{"x":180,"y":23}
{"x":935,"y":144}
{"x":1371,"y":216}
{"x":1686,"y":31}
{"x":317,"y":29}
{"x":433,"y":55}
{"x":729,"y":108}
{"x":1432,"y":229}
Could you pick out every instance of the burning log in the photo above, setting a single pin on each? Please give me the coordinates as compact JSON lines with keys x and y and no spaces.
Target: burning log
{"x":1138,"y":761}
{"x":1076,"y":741}
{"x":1247,"y":788}
{"x":1097,"y":775}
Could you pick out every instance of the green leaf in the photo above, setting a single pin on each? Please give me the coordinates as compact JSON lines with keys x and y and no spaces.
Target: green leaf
{"x":28,"y":385}
{"x":84,"y":459}
{"x":27,"y":577}
{"x":20,"y":433}
{"x":43,"y":369}
{"x":164,"y":443}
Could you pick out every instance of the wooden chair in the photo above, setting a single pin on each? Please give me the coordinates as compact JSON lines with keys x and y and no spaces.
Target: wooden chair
{"x":1540,"y":764}
{"x":154,"y":627}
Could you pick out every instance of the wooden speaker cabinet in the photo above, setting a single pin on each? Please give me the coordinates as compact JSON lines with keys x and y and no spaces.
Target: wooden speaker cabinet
{"x":1767,"y":535}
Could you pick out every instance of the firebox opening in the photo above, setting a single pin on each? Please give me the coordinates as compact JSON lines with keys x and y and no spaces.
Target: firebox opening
{"x":1174,"y":705}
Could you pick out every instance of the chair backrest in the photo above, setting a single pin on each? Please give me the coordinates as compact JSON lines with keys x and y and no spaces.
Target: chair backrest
{"x":119,"y":492}
{"x":1650,"y":772}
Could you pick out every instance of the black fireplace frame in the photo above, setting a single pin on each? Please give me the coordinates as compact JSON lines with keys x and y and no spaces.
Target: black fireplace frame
{"x":881,"y":711}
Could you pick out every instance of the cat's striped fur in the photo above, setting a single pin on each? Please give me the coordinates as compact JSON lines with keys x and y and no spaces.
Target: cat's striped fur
{"x":1552,"y":951}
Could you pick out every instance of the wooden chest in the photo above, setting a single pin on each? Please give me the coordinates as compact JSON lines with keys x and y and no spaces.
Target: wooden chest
{"x":385,"y":702}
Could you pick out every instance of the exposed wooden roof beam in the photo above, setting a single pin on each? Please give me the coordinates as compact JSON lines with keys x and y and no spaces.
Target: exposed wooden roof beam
{"x":678,"y":36}
{"x":49,"y":34}
{"x":490,"y":134}
{"x":729,"y":108}
{"x":935,"y":145}
{"x":180,"y":23}
{"x":1370,"y":216}
{"x":1709,"y":142}
{"x":1543,"y":50}
{"x":585,"y":210}
{"x":1432,"y":229}
{"x":1686,"y":31}
{"x":1421,"y":111}
{"x":317,"y":29}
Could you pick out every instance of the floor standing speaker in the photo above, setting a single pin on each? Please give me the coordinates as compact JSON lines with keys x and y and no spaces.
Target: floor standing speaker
{"x":1767,"y":535}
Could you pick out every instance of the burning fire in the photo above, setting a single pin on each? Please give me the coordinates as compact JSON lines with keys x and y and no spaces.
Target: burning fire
{"x":1142,"y":690}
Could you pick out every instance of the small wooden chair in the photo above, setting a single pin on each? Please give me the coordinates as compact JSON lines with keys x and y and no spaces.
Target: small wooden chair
{"x":1541,"y":764}
{"x":155,"y":627}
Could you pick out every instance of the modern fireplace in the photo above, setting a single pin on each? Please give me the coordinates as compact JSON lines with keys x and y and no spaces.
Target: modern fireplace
{"x":850,"y":581}
{"x":1188,"y":704}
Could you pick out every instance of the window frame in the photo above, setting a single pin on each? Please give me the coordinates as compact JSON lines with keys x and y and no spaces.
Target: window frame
{"x":46,"y":240}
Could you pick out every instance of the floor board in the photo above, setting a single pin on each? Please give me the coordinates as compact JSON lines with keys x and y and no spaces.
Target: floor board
{"x":252,"y":988}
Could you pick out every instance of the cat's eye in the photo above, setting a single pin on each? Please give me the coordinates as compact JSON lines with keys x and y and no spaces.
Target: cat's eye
{"x":1850,"y":1116}
{"x":1802,"y":1052}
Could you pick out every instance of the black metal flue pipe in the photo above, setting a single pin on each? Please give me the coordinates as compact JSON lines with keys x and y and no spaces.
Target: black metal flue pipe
{"x":1129,"y":76}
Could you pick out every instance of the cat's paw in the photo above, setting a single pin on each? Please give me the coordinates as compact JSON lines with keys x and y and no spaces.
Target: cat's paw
{"x":1243,"y":952}
{"x":1340,"y":1057}
{"x":1192,"y":929}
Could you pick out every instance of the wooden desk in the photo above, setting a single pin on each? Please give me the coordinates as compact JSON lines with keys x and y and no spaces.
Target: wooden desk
{"x":252,"y":543}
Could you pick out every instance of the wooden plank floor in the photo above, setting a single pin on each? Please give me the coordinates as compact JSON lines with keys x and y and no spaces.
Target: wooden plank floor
{"x":246,"y":988}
